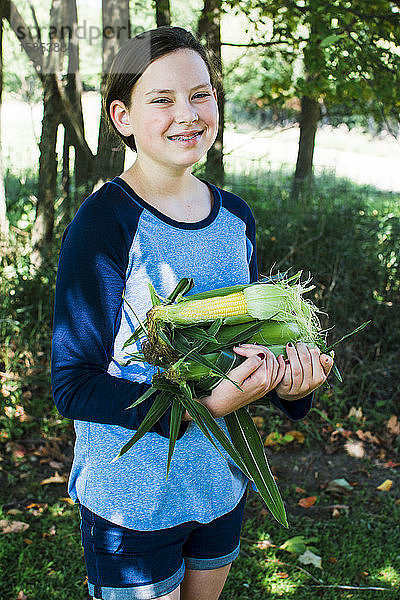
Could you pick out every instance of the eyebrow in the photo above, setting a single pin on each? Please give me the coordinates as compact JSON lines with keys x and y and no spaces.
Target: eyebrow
{"x":202,"y":85}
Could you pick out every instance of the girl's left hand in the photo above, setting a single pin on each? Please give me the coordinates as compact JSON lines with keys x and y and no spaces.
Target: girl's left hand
{"x":306,"y":369}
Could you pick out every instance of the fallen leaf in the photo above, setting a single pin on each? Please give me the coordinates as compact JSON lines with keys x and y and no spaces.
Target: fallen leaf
{"x":282,"y":575}
{"x":333,"y":560}
{"x":265,"y":544}
{"x":385,"y":486}
{"x":56,"y":478}
{"x":356,"y":413}
{"x":393,"y":425}
{"x":297,"y":544}
{"x":272,"y":439}
{"x":67,"y":500}
{"x":309,"y":558}
{"x":259,"y":422}
{"x":12,"y":526}
{"x":297,"y":435}
{"x":336,"y":513}
{"x":367,"y":436}
{"x":55,"y":464}
{"x":28,"y":541}
{"x":307,"y":502}
{"x":300,"y":490}
{"x":14,"y":512}
{"x":339,"y":486}
{"x":22,"y":596}
{"x":391,"y":465}
{"x":355,"y":449}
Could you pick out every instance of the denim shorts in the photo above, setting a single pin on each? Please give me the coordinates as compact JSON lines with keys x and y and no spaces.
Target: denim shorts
{"x":126,"y":564}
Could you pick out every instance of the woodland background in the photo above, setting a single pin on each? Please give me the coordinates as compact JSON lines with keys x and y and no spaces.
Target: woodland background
{"x":309,"y":137}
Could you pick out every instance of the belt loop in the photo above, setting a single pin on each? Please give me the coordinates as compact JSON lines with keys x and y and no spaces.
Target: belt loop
{"x":97,"y":592}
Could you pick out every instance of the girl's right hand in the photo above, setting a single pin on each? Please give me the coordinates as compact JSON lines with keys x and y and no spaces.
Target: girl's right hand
{"x":257,"y":375}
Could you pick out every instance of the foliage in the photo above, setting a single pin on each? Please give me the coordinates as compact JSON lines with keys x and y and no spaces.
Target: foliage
{"x":343,"y":54}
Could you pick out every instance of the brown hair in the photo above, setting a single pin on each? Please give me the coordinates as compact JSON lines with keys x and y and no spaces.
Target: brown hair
{"x":136,"y":55}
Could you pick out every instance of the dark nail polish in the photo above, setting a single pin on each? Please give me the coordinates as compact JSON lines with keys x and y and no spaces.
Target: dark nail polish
{"x":290,"y":345}
{"x":261,"y":355}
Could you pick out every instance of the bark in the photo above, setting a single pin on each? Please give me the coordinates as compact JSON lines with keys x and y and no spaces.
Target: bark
{"x":75,"y":134}
{"x":310,"y":115}
{"x":4,"y":225}
{"x":111,"y":152}
{"x":209,"y":28}
{"x":163,"y":13}
{"x":42,"y":231}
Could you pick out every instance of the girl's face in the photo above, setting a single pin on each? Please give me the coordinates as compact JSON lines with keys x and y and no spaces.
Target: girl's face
{"x":174,"y":113}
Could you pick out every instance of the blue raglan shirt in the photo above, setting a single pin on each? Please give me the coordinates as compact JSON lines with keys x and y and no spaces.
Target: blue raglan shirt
{"x":115,"y":245}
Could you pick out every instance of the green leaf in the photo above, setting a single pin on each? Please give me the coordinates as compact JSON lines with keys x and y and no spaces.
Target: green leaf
{"x":155,"y":298}
{"x":330,"y":40}
{"x":344,"y":337}
{"x":142,"y":325}
{"x":177,"y":412}
{"x":207,"y":423}
{"x":156,"y":411}
{"x":183,"y":287}
{"x":247,"y":441}
{"x":181,"y":346}
{"x":149,"y":392}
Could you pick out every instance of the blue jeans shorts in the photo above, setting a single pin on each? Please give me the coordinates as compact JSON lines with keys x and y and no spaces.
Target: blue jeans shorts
{"x":126,"y":564}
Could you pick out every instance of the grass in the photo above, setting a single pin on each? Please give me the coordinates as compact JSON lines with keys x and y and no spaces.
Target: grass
{"x":346,"y":236}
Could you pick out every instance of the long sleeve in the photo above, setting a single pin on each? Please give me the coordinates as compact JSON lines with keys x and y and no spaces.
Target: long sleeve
{"x":90,"y":282}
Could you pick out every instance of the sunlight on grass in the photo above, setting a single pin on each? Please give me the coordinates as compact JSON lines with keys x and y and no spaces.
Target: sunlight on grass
{"x":389,"y":575}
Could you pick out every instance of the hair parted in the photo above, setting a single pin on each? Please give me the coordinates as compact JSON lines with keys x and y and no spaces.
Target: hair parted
{"x":137,"y":54}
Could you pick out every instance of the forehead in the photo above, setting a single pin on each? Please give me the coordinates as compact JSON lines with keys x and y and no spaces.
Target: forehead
{"x":182,"y":67}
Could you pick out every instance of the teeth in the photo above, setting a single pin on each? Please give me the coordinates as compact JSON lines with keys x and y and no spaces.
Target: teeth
{"x":184,"y":138}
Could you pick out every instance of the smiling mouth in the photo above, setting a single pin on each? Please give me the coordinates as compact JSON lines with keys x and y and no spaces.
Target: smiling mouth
{"x":185,"y":138}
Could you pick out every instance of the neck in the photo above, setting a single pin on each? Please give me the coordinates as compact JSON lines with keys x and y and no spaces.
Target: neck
{"x":159,"y":181}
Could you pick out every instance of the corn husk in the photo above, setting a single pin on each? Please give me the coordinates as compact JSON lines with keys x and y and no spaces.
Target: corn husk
{"x":190,"y":339}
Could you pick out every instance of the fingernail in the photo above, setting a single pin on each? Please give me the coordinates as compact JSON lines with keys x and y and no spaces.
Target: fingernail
{"x":290,"y":345}
{"x":261,"y":355}
{"x":327,"y":359}
{"x":287,"y":362}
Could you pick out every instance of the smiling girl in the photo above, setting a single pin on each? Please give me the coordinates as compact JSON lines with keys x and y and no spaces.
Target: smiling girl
{"x":145,"y":537}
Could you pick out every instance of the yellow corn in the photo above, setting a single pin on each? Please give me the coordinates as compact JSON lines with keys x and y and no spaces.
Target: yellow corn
{"x":207,"y":309}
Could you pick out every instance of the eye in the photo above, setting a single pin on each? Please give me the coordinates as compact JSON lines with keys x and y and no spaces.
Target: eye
{"x":201,"y":95}
{"x":160,"y":101}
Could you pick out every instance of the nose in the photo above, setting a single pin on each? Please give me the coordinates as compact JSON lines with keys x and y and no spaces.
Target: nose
{"x":185,"y":112}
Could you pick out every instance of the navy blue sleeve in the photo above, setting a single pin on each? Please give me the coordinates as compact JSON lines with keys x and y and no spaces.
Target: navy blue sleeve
{"x":90,"y":281}
{"x":295,"y":409}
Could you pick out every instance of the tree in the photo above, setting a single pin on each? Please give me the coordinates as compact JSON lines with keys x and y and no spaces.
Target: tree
{"x":209,"y":29}
{"x":163,"y":13}
{"x":349,"y":56}
{"x":4,"y":225}
{"x":62,"y":104}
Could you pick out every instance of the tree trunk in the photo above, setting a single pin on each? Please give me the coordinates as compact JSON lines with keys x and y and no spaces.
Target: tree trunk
{"x":42,"y":231}
{"x":163,"y":13}
{"x":4,"y":225}
{"x":209,"y":28}
{"x":310,"y":115}
{"x":84,"y":160}
{"x":111,"y":152}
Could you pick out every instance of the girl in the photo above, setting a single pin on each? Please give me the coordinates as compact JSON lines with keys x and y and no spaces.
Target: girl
{"x":145,"y":537}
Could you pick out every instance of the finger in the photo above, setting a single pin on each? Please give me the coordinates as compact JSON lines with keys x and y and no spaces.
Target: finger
{"x":281,"y":370}
{"x":249,"y":349}
{"x":326,"y":362}
{"x":295,"y":366}
{"x":246,"y":368}
{"x":305,"y":359}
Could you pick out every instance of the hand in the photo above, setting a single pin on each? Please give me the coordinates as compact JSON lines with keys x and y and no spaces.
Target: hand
{"x":256,"y":376}
{"x":306,"y":369}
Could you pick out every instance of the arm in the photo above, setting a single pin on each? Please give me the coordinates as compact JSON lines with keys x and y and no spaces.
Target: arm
{"x":90,"y":281}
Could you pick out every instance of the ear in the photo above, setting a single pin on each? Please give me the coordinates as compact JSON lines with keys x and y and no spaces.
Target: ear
{"x":120,"y":117}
